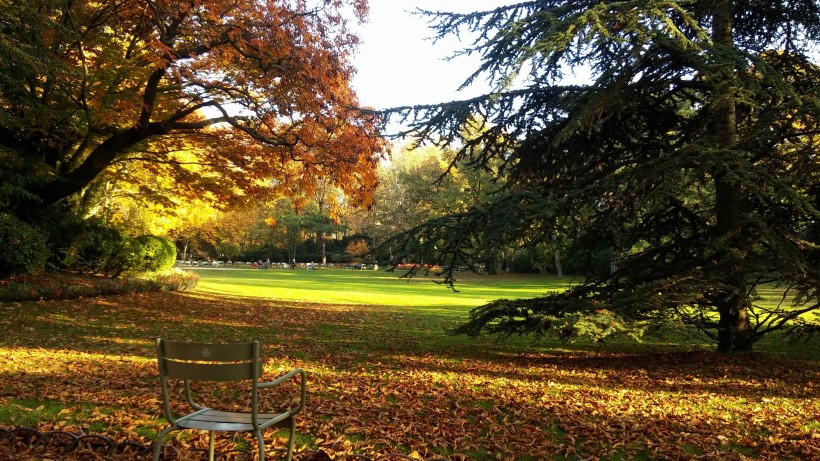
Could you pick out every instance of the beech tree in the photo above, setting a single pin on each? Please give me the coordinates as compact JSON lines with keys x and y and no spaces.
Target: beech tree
{"x":231,"y":98}
{"x":691,"y":153}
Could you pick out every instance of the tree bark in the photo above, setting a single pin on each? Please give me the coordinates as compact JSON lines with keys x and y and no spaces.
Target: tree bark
{"x":97,"y":161}
{"x":734,"y":330}
{"x":492,"y":260}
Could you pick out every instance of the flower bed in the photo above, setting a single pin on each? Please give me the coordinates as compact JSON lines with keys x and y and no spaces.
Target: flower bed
{"x":410,"y":266}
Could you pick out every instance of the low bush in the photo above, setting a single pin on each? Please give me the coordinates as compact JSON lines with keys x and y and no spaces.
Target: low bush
{"x":176,"y":280}
{"x":522,"y":263}
{"x":154,"y":254}
{"x":95,"y":249}
{"x":24,"y":249}
{"x":125,"y":255}
{"x":66,"y":286}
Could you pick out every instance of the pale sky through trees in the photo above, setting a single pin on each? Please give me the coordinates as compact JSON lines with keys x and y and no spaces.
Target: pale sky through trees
{"x":397,"y":64}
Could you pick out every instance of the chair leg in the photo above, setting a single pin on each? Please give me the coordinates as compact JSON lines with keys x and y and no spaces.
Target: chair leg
{"x":211,"y":445}
{"x":160,"y":439}
{"x":291,"y":437}
{"x":260,"y":440}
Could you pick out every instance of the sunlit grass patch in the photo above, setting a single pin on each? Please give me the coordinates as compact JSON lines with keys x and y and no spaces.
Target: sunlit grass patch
{"x":372,"y":287}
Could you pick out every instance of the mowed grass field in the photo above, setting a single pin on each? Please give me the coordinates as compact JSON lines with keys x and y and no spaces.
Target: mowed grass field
{"x":385,"y":377}
{"x":380,"y":288}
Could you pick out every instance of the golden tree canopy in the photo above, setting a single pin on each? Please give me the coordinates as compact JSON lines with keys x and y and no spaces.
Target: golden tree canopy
{"x":256,"y":93}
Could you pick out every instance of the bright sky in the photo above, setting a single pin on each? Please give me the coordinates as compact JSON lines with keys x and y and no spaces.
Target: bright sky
{"x":398,"y":66}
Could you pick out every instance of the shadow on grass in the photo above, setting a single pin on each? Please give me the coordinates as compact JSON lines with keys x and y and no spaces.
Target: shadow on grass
{"x":390,"y":377}
{"x":378,"y":338}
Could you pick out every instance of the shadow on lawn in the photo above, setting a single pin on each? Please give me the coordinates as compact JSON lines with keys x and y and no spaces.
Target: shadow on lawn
{"x":391,"y":376}
{"x":379,"y":339}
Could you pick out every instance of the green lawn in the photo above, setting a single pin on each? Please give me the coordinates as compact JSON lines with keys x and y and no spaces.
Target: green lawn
{"x":438,"y":306}
{"x":373,"y":287}
{"x":429,"y":307}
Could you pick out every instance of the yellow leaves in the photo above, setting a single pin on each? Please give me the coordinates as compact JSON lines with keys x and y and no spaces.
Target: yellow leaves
{"x":281,"y":72}
{"x":462,"y":400}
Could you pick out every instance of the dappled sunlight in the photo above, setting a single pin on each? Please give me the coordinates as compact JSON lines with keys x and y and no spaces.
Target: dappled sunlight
{"x":386,"y":378}
{"x":471,"y":398}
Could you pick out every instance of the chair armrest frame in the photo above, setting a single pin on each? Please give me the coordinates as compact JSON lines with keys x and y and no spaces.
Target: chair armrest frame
{"x":190,"y":398}
{"x":302,"y":387}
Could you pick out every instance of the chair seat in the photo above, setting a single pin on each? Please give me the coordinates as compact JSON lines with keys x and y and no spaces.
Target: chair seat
{"x":215,"y":420}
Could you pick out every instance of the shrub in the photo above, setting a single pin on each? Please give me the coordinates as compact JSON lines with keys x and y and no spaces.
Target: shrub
{"x":59,"y":228}
{"x":70,"y":287}
{"x":22,"y":248}
{"x":125,"y":255}
{"x":155,"y":254}
{"x":98,"y":249}
{"x":89,"y":249}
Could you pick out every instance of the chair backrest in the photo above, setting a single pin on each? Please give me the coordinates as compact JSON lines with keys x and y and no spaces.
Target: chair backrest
{"x":209,"y":362}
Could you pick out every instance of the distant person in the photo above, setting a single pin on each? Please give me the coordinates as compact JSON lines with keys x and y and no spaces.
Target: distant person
{"x":293,"y":264}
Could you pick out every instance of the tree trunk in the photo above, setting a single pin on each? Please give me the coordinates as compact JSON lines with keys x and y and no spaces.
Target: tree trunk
{"x":615,"y":253}
{"x":734,"y":330}
{"x":97,"y":160}
{"x":614,"y":258}
{"x":559,"y":270}
{"x":491,"y":262}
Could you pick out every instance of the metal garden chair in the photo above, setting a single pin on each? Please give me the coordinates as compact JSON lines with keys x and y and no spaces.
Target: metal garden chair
{"x":191,"y":362}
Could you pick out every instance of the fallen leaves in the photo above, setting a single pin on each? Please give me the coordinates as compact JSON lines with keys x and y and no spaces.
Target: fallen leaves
{"x":375,"y":390}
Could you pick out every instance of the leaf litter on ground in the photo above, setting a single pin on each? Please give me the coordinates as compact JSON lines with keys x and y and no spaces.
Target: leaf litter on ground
{"x":380,"y":383}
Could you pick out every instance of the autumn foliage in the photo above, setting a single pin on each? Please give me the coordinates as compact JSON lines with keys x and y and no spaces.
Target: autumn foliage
{"x":214,"y":99}
{"x":357,"y":249}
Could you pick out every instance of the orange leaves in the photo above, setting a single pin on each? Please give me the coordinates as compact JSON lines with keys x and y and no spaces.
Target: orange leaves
{"x":148,"y":82}
{"x":379,"y":383}
{"x":303,"y":126}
